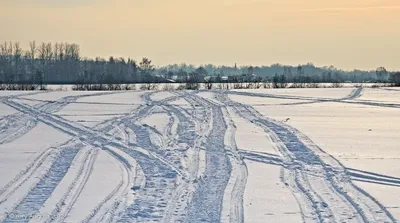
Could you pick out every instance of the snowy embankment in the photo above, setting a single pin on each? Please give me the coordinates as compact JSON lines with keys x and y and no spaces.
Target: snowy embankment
{"x":291,"y":155}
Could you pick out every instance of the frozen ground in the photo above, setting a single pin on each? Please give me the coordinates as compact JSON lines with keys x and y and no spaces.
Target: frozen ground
{"x":291,"y":155}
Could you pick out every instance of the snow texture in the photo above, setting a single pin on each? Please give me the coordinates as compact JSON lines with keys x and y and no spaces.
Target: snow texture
{"x":286,"y":155}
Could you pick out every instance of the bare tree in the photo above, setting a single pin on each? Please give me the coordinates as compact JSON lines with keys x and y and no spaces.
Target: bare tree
{"x":32,"y":50}
{"x":17,"y":63}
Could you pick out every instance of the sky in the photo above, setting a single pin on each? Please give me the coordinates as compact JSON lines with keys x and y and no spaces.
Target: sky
{"x":349,"y":34}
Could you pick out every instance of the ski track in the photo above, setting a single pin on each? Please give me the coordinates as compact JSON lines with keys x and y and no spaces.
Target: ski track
{"x":336,"y":190}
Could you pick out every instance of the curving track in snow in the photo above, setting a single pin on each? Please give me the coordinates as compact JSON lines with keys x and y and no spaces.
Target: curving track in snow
{"x":322,"y":180}
{"x":191,"y":171}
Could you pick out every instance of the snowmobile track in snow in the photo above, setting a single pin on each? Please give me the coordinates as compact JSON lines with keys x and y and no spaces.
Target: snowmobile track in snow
{"x":309,"y":158}
{"x":172,"y":192}
{"x":35,"y":199}
{"x":206,"y":203}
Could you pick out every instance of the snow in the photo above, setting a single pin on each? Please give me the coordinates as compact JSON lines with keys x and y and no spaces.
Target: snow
{"x":13,"y":93}
{"x":28,"y":102}
{"x":97,"y":187}
{"x":161,"y":95}
{"x":6,"y":110}
{"x":127,"y":98}
{"x":14,"y":156}
{"x":56,"y":95}
{"x":362,"y":137}
{"x":332,"y":93}
{"x":180,"y":102}
{"x":209,"y":96}
{"x":63,"y":187}
{"x":263,"y":186}
{"x":388,"y":95}
{"x":387,"y":195}
{"x":92,"y":114}
{"x":252,"y":138}
{"x":259,"y":101}
{"x":158,"y":121}
{"x":265,"y":155}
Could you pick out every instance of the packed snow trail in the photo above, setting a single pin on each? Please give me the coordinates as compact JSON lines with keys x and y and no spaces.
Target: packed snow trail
{"x":144,"y":158}
{"x":161,"y":171}
{"x":85,"y":134}
{"x":232,"y":209}
{"x":206,"y":204}
{"x":65,"y":204}
{"x":191,"y":129}
{"x":35,"y":199}
{"x":151,"y":199}
{"x":14,"y":126}
{"x":356,"y":93}
{"x":335,"y":194}
{"x":108,"y":208}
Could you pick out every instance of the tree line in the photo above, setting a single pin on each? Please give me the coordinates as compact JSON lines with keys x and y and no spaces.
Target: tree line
{"x":62,"y":63}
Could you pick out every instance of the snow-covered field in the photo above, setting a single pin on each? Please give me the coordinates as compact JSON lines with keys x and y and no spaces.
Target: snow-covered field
{"x":291,"y":155}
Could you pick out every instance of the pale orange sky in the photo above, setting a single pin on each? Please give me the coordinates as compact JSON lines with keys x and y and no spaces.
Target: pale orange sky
{"x":348,"y":34}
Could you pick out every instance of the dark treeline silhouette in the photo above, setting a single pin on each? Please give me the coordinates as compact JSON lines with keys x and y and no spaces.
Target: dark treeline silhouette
{"x":62,"y":63}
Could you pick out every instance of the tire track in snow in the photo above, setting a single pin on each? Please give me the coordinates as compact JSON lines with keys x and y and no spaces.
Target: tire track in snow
{"x":58,"y":105}
{"x":153,"y":198}
{"x":35,"y":199}
{"x":232,"y":208}
{"x":291,"y":176}
{"x":32,"y":169}
{"x":158,"y":175}
{"x":65,"y":204}
{"x":191,"y":132}
{"x":181,"y":118}
{"x":53,"y":107}
{"x":162,"y":169}
{"x":14,"y":126}
{"x":355,"y":93}
{"x":108,"y":208}
{"x":206,"y":203}
{"x":307,"y":156}
{"x":84,"y":133}
{"x":350,"y":99}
